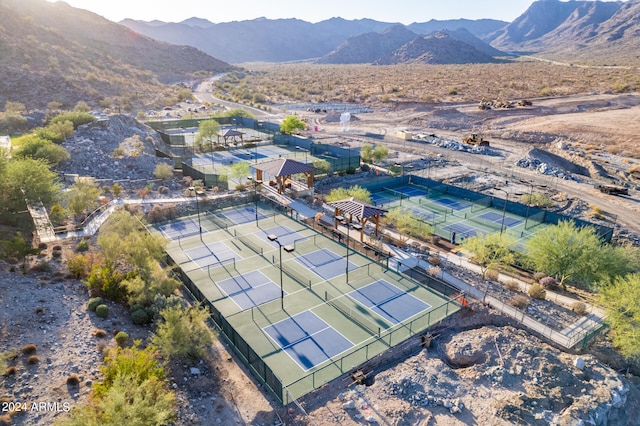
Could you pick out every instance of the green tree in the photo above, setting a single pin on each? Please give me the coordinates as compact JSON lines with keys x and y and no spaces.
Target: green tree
{"x":207,"y":132}
{"x":291,"y":124}
{"x":38,"y":148}
{"x":356,"y":191}
{"x":491,"y":251}
{"x":56,"y":132}
{"x":26,"y":179}
{"x":78,"y":118}
{"x":238,"y":112}
{"x":239,"y":170}
{"x":620,"y":300}
{"x":82,"y":196}
{"x":380,"y":153}
{"x":366,"y":153}
{"x":322,"y":167}
{"x":18,"y":247}
{"x":568,"y":252}
{"x":183,"y":332}
{"x":536,"y":199}
{"x":407,"y":224}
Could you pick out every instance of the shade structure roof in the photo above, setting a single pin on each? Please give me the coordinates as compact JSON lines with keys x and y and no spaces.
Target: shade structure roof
{"x":357,"y":208}
{"x":284,"y":167}
{"x":231,"y":132}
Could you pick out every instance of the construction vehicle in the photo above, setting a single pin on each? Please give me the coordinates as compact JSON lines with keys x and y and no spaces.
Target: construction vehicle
{"x":475,"y":139}
{"x":612,"y":189}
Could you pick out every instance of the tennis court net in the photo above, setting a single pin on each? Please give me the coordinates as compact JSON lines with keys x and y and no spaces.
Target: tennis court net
{"x":353,"y":315}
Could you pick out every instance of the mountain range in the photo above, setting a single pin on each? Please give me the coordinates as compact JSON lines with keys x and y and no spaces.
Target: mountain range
{"x":593,"y":31}
{"x":54,"y":52}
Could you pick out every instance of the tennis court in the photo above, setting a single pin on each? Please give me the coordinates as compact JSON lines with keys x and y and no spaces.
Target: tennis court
{"x":214,"y":253}
{"x":180,"y":229}
{"x":250,"y":289}
{"x":307,"y":339}
{"x":310,"y":321}
{"x":498,"y":218}
{"x":244,"y":214}
{"x":325,"y":263}
{"x":389,"y":301}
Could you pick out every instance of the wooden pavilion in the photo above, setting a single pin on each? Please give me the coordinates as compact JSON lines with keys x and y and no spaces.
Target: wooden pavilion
{"x":230,"y":133}
{"x":282,"y":169}
{"x":362,"y":212}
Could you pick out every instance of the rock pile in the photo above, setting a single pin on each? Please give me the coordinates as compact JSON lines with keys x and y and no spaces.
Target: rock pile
{"x":118,"y":148}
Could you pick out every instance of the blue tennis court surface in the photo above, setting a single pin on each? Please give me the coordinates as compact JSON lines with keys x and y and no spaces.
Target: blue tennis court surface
{"x":307,"y":339}
{"x":244,"y":215}
{"x":325,"y":263}
{"x":463,"y":230}
{"x":248,"y":155}
{"x":286,"y":235}
{"x":423,"y":214}
{"x":410,"y":191}
{"x":380,"y":200}
{"x":497,"y":218}
{"x":181,"y":229}
{"x":250,"y":289}
{"x":212,"y":254}
{"x":453,"y":204}
{"x":389,"y":301}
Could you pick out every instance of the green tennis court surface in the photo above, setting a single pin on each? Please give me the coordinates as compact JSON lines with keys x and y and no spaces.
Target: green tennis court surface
{"x":310,"y":322}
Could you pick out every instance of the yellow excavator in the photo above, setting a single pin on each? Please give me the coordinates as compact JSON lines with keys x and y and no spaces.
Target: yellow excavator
{"x":475,"y":139}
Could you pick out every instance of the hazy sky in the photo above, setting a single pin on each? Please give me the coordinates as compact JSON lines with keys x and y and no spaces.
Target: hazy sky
{"x":404,"y":11}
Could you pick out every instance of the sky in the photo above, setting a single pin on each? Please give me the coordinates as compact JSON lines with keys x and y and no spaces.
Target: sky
{"x":403,"y":11}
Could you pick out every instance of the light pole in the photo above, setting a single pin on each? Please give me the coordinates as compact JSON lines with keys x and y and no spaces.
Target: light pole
{"x":299,"y":148}
{"x":192,"y":189}
{"x":401,"y":180}
{"x":289,"y":249}
{"x":347,"y":267}
{"x":504,"y":210}
{"x":256,"y":182}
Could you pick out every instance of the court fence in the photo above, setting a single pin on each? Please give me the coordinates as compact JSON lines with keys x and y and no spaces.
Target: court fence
{"x":379,"y":342}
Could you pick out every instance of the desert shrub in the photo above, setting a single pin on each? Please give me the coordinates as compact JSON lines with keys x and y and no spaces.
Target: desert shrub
{"x":141,"y":316}
{"x":512,"y":285}
{"x":73,"y":380}
{"x":82,"y":246}
{"x":183,"y":332}
{"x":98,"y":332}
{"x":579,"y":308}
{"x":163,"y":190}
{"x":537,"y":292}
{"x":33,"y":359}
{"x":537,"y":276}
{"x":102,"y":311}
{"x":122,"y":338}
{"x":42,"y":246}
{"x":40,"y":310}
{"x":56,"y":253}
{"x":29,"y":349}
{"x":163,"y":171}
{"x":241,"y":187}
{"x":94,"y":303}
{"x":519,"y":301}
{"x":491,"y":275}
{"x":10,"y":371}
{"x":549,"y":283}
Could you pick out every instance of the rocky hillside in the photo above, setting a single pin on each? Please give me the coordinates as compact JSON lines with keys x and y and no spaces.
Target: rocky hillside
{"x":594,"y":31}
{"x":398,"y":45}
{"x":439,"y":48}
{"x":369,"y":47}
{"x":54,"y":52}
